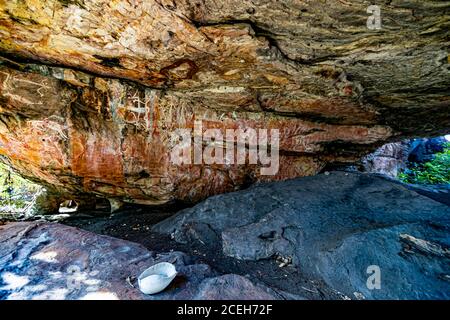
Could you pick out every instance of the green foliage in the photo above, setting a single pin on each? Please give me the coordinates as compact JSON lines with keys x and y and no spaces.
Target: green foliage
{"x":436,"y":171}
{"x":15,"y":192}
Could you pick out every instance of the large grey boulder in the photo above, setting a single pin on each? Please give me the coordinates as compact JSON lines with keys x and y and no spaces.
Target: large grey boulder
{"x":349,"y":229}
{"x":388,"y":160}
{"x":93,"y":92}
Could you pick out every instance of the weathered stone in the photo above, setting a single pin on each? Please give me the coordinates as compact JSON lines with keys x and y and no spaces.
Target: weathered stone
{"x":423,"y":150}
{"x":45,"y":202}
{"x":112,"y":151}
{"x":335,"y":227}
{"x":388,"y":160}
{"x":51,"y":261}
{"x":393,"y":158}
{"x":312,"y":69}
{"x":440,"y":193}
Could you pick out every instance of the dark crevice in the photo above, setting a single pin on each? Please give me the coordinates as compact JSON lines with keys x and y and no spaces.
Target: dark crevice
{"x":21,"y":63}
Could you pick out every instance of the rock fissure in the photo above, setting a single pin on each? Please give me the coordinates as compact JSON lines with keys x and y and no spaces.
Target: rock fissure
{"x":105,"y":85}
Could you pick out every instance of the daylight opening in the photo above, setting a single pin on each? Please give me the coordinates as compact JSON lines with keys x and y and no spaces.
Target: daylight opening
{"x":17,"y":194}
{"x":68,"y":206}
{"x":422,"y":161}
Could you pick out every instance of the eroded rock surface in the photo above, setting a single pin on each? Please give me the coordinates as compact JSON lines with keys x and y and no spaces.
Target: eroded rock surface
{"x":389,"y":160}
{"x":336,"y":227}
{"x":48,"y":261}
{"x":423,"y":150}
{"x":91,"y":90}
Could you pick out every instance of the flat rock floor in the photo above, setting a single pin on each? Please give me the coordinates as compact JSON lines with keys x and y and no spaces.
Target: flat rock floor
{"x":135,"y":225}
{"x":41,"y":260}
{"x":310,"y":238}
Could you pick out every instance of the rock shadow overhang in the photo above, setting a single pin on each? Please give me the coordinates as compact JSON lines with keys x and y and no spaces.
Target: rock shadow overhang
{"x":91,"y":109}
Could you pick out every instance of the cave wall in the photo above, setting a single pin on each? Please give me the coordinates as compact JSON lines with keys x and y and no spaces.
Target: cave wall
{"x":91,"y":91}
